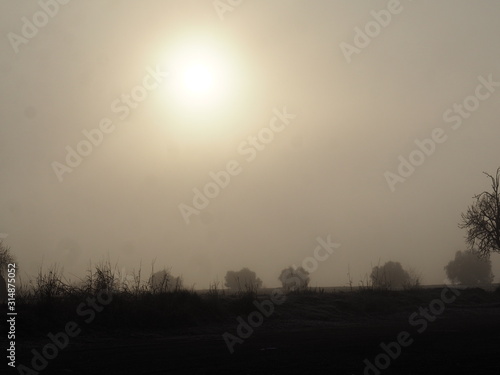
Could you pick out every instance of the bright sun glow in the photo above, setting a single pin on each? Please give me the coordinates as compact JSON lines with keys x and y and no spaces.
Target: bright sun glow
{"x":200,"y":74}
{"x":204,"y":84}
{"x":198,"y":79}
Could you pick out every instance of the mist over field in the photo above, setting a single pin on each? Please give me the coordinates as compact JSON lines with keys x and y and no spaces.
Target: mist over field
{"x":117,"y":118}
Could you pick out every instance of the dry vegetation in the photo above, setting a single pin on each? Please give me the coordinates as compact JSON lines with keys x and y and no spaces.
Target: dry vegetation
{"x":50,"y":301}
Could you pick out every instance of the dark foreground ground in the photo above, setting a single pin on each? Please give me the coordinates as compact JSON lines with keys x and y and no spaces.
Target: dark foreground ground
{"x":308,"y":334}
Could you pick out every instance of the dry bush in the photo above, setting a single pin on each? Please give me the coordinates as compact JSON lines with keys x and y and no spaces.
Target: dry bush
{"x":49,"y":284}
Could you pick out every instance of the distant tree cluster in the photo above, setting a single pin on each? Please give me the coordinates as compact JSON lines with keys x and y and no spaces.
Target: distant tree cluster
{"x":392,"y":275}
{"x":163,"y":281}
{"x":243,"y":280}
{"x":468,"y":269}
{"x":294,"y":279}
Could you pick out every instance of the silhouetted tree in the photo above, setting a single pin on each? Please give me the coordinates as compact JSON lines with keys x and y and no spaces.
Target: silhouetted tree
{"x":482,"y":220}
{"x":163,"y":281}
{"x":294,"y":279}
{"x":390,"y":275}
{"x":243,"y":280}
{"x":467,"y":268}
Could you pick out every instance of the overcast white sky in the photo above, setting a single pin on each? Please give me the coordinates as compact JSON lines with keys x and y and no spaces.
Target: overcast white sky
{"x":322,"y":175}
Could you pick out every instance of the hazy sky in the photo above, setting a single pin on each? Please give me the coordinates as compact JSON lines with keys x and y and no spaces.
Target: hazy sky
{"x":203,"y":83}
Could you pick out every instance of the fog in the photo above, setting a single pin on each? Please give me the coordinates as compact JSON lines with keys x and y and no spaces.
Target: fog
{"x":345,"y":120}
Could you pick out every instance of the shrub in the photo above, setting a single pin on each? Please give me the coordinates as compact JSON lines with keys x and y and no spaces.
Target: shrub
{"x":294,"y":279}
{"x":390,"y":275}
{"x":243,"y":281}
{"x":468,"y":269}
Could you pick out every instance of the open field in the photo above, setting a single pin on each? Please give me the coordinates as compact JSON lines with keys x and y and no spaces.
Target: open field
{"x":332,"y":289}
{"x":307,"y":333}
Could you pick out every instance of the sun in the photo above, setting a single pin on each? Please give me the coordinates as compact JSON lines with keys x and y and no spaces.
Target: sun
{"x":201,"y":75}
{"x":206,"y":83}
{"x":198,"y":80}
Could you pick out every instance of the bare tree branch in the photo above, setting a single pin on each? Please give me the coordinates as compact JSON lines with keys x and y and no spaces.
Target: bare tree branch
{"x":482,"y":220}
